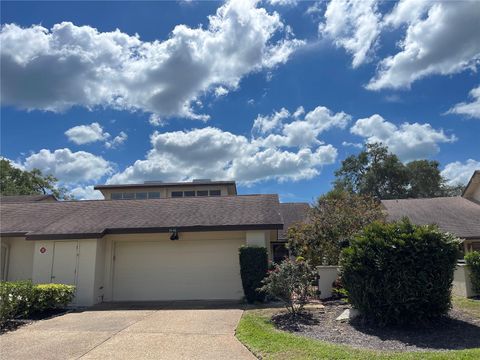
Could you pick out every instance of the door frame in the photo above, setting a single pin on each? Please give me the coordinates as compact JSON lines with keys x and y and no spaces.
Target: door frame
{"x":76,"y":261}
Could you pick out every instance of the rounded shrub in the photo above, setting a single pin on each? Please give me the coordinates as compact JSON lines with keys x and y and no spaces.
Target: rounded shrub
{"x":253,"y":269}
{"x":400,"y":273}
{"x":473,"y":261}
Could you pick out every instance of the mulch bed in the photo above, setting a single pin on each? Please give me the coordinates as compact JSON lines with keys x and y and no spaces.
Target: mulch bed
{"x":16,"y":323}
{"x":456,"y":331}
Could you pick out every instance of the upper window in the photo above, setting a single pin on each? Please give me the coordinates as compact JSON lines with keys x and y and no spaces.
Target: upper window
{"x":128,"y":195}
{"x":202,"y":193}
{"x":177,"y":193}
{"x":189,"y":193}
{"x":116,"y":196}
{"x":154,"y":195}
{"x":215,"y":193}
{"x":140,"y":195}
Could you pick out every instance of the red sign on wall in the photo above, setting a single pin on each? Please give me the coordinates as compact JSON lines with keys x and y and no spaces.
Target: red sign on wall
{"x":43,"y":250}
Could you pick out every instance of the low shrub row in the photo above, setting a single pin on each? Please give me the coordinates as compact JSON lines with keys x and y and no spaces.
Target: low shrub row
{"x":473,"y":261}
{"x":21,"y":299}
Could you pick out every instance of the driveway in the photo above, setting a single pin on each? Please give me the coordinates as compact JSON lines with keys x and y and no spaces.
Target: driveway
{"x":184,"y":330}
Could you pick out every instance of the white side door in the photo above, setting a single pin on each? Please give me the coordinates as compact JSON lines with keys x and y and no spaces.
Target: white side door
{"x":64,"y":268}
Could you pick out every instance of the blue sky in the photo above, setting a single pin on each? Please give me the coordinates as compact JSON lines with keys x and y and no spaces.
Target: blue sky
{"x":273,"y":94}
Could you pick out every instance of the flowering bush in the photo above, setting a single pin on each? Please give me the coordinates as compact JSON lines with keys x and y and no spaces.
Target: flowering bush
{"x":20,"y":299}
{"x":290,"y":281}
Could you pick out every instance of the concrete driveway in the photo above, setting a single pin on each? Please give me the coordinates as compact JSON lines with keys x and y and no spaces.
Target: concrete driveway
{"x":148,"y":331}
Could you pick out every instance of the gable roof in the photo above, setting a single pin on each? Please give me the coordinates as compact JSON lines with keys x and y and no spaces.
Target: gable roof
{"x":292,"y":213}
{"x":26,"y":198}
{"x":456,"y":215}
{"x":473,"y":183}
{"x":92,"y":219}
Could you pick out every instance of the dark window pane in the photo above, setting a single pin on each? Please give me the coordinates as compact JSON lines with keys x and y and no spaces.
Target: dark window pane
{"x":128,"y":195}
{"x":154,"y":195}
{"x":202,"y":193}
{"x":215,"y":193}
{"x":117,"y":196}
{"x":279,"y":252}
{"x":177,"y":193}
{"x":141,"y":196}
{"x":189,"y":193}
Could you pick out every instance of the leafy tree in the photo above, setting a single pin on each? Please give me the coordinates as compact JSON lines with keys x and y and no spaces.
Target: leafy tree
{"x":14,"y":181}
{"x":378,"y":173}
{"x":336,"y":216}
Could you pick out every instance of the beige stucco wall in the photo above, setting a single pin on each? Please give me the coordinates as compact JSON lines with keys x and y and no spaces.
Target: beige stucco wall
{"x":20,"y":258}
{"x":462,"y":285}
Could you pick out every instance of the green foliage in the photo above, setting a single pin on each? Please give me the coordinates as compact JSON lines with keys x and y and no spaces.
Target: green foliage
{"x":400,"y":273}
{"x":20,"y":299}
{"x":14,"y":181}
{"x":290,"y":281}
{"x":253,"y":269}
{"x":473,"y":261}
{"x":378,"y":173}
{"x":333,"y":220}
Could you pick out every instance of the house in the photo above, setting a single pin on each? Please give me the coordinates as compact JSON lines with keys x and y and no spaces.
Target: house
{"x":458,"y":215}
{"x":144,"y":242}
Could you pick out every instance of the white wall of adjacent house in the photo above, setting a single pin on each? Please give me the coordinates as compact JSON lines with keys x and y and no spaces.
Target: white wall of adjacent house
{"x":16,"y":258}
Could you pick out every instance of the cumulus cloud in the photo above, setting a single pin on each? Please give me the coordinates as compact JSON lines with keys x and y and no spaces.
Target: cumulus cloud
{"x":84,"y":134}
{"x":441,"y":38}
{"x":303,"y":132}
{"x":353,"y":25}
{"x":55,"y":69}
{"x":68,"y":166}
{"x":408,"y":141}
{"x":458,"y":173}
{"x":471,"y":109}
{"x":213,"y":153}
{"x":86,"y":193}
{"x":116,"y":141}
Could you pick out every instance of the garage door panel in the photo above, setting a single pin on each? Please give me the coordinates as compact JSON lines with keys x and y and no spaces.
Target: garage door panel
{"x":177,"y":270}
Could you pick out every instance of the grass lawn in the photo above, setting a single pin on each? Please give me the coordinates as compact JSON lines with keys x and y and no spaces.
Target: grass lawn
{"x":257,"y":333}
{"x":468,"y":305}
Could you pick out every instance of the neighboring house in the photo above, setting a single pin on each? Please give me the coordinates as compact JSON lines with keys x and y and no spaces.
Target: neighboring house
{"x":158,"y":241}
{"x":26,"y":198}
{"x":459,"y":215}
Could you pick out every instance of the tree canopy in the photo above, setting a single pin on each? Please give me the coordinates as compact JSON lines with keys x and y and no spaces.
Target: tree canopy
{"x":15,"y":181}
{"x":377,"y":172}
{"x":333,"y":220}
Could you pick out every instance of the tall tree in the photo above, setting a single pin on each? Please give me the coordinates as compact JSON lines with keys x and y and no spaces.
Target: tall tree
{"x":14,"y":181}
{"x":377,"y":172}
{"x":333,"y":220}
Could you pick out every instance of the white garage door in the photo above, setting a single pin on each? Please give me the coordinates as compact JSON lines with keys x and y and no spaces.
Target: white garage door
{"x":177,"y":270}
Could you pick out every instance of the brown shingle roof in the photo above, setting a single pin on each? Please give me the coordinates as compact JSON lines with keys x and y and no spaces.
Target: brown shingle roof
{"x":26,"y":198}
{"x":292,"y":213}
{"x":453,"y":214}
{"x":77,"y":219}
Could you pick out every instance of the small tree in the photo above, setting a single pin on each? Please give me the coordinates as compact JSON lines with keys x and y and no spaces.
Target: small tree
{"x":290,"y":282}
{"x":336,"y":216}
{"x":473,"y":261}
{"x":400,"y":273}
{"x":253,"y":269}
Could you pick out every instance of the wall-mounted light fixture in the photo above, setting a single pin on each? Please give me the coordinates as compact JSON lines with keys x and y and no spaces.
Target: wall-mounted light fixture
{"x":173,"y":234}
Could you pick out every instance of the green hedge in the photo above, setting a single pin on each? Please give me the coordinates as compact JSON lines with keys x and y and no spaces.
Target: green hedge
{"x":473,"y":261}
{"x":21,"y":299}
{"x":400,"y":273}
{"x":253,"y":269}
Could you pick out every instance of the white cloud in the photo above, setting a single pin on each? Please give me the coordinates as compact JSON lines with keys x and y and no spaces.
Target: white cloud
{"x":86,"y":193}
{"x":471,"y":109}
{"x":84,"y":134}
{"x":304,"y":132}
{"x":156,"y":120}
{"x":213,"y":153}
{"x":266,"y":124}
{"x":353,"y":25}
{"x":357,"y":145}
{"x":441,"y":38}
{"x":220,"y":91}
{"x":408,"y":141}
{"x":117,"y":140}
{"x":283,"y":2}
{"x":78,"y":65}
{"x":68,"y":166}
{"x":458,"y":173}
